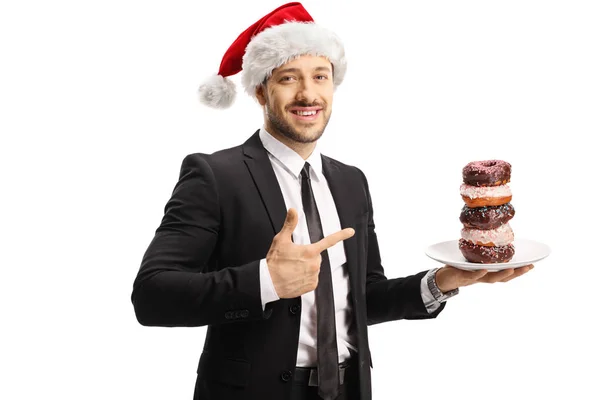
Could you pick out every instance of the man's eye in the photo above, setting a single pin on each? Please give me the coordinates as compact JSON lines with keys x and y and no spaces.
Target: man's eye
{"x":286,"y":79}
{"x":322,"y":77}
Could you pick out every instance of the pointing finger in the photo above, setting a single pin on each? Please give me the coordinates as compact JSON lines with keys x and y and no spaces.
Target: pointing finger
{"x":333,"y":239}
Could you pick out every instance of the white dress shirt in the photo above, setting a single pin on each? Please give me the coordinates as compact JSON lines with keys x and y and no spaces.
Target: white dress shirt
{"x":287,"y":165}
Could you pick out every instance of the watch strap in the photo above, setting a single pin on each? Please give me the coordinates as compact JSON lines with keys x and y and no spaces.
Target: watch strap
{"x":435,"y":290}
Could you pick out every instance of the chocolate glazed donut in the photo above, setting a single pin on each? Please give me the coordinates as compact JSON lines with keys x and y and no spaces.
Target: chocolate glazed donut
{"x":487,"y":173}
{"x":486,"y":254}
{"x":485,"y":218}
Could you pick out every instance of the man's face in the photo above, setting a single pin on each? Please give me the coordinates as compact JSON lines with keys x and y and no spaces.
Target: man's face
{"x":297,"y":99}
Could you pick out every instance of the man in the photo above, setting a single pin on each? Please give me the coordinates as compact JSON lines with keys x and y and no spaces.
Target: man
{"x":272,"y":245}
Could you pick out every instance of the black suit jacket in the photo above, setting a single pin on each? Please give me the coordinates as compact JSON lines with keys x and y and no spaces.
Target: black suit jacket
{"x":202,"y":269}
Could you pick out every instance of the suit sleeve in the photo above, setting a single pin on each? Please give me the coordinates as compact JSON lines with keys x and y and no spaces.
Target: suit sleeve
{"x":390,"y":299}
{"x":173,"y":286}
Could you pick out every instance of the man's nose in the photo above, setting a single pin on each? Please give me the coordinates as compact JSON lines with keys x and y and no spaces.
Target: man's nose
{"x":306,"y":92}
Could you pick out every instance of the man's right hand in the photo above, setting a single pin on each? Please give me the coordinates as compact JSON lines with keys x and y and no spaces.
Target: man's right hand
{"x":294,"y":268}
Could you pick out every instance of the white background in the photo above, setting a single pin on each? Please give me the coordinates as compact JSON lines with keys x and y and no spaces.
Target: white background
{"x":99,"y":108}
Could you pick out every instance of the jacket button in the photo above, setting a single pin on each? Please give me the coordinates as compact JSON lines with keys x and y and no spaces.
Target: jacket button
{"x":228,"y":315}
{"x":294,"y":309}
{"x":245,"y":313}
{"x":286,"y":376}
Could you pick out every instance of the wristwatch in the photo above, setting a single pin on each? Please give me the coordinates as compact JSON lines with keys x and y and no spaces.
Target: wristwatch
{"x":435,"y":290}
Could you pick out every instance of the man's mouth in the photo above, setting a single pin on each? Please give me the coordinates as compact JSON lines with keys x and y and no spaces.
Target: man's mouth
{"x":306,"y":113}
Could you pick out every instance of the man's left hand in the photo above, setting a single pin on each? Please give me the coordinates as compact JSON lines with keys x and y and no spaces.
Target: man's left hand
{"x":449,"y":278}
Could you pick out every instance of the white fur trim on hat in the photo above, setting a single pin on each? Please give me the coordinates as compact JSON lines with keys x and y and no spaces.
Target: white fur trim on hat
{"x":280,"y":44}
{"x":217,"y":92}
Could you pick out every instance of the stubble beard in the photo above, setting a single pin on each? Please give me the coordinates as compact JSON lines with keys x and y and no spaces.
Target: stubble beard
{"x":281,"y":126}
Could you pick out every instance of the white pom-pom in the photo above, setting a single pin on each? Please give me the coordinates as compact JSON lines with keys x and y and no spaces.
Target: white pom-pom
{"x":217,"y":92}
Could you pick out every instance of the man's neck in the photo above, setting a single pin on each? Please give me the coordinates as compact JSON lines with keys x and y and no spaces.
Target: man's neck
{"x":303,"y":149}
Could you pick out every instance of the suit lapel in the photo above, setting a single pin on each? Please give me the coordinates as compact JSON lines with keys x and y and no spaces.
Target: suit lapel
{"x":341,"y":190}
{"x":259,"y":165}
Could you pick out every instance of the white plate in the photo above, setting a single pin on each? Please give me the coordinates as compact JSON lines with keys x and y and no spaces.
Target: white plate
{"x":526,"y":252}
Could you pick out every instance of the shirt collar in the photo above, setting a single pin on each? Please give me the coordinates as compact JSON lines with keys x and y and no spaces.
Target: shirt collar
{"x":291,"y":160}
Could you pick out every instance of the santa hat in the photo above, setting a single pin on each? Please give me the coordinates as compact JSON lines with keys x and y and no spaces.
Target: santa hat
{"x":277,"y":38}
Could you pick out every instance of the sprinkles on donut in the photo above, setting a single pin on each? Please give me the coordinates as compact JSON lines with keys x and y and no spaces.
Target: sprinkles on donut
{"x":486,"y":217}
{"x":487,"y":173}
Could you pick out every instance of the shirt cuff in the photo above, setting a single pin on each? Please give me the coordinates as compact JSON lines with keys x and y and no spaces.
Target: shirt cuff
{"x":431,"y":304}
{"x":267,"y":289}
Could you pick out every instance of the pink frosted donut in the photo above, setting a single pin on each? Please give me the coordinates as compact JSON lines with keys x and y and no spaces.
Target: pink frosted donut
{"x":501,"y":236}
{"x":487,"y":173}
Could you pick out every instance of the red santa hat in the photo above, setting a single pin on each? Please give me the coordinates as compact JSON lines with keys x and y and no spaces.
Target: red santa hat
{"x":277,"y":38}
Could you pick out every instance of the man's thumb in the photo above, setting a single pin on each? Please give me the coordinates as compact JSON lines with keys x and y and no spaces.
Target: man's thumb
{"x":291,"y":220}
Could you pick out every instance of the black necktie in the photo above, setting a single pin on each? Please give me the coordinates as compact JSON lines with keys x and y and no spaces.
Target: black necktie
{"x":327,"y":355}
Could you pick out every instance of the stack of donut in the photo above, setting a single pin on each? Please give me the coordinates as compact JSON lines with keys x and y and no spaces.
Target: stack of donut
{"x":486,"y":236}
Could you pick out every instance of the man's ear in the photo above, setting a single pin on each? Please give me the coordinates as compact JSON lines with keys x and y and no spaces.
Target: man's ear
{"x":260,"y":94}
